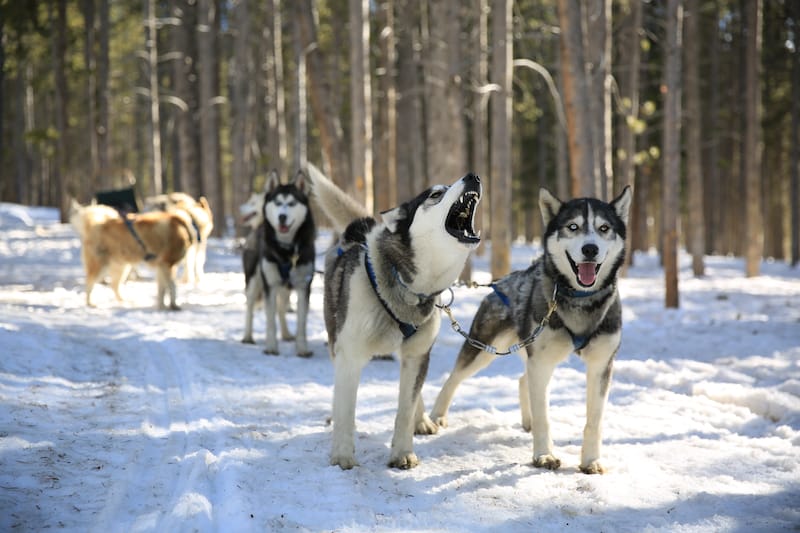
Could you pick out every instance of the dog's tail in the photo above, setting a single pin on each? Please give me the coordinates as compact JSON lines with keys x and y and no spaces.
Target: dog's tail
{"x":340,"y":209}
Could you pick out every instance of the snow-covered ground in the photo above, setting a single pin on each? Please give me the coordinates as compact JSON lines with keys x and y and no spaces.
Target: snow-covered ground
{"x":124,"y":418}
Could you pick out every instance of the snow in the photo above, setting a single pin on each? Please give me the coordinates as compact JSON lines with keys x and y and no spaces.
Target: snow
{"x":124,"y":418}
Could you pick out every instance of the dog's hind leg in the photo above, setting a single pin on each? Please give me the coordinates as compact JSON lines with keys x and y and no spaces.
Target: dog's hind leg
{"x":94,"y":269}
{"x":119,"y":273}
{"x":470,"y":361}
{"x":347,"y":374}
{"x":253,"y":292}
{"x":413,"y":370}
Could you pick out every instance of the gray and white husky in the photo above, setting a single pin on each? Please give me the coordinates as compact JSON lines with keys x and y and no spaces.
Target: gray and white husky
{"x":584,"y":247}
{"x":279,"y":258}
{"x":382,"y":284}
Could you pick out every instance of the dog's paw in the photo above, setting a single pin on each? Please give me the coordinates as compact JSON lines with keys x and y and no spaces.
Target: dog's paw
{"x":269,"y":351}
{"x":248,"y":340}
{"x":404,"y":461}
{"x":174,"y":307}
{"x":547,"y":461}
{"x":426,"y":426}
{"x":305,"y":354}
{"x":593,"y":468}
{"x":440,"y":421}
{"x":345,"y":462}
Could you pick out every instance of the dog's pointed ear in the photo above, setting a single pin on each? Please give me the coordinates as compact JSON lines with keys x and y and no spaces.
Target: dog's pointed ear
{"x":301,"y":182}
{"x":272,"y":181}
{"x":622,"y":204}
{"x":549,"y":205}
{"x":392,"y":217}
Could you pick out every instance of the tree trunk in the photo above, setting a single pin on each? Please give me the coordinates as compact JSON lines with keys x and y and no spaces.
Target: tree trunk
{"x":671,"y":150}
{"x":208,"y":70}
{"x":241,"y":75}
{"x":385,"y":161}
{"x":410,"y":131}
{"x":446,"y":138}
{"x":59,"y":50}
{"x":361,"y":104}
{"x":599,"y":57}
{"x":501,"y":102}
{"x":276,"y":101}
{"x":577,"y":100}
{"x":103,"y":99}
{"x":184,"y":75}
{"x":88,"y":177}
{"x":754,"y":232}
{"x":794,"y":171}
{"x":630,"y":53}
{"x":151,"y":45}
{"x":319,"y":92}
{"x":694,"y":165}
{"x":480,"y":124}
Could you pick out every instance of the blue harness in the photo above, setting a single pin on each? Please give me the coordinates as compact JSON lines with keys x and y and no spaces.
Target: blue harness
{"x":406,"y":328}
{"x":579,"y":342}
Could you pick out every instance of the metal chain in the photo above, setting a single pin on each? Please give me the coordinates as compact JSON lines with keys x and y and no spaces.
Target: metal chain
{"x":488,"y":348}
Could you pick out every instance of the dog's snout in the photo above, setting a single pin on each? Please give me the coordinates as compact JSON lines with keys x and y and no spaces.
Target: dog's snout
{"x":590,"y":251}
{"x":282,"y":218}
{"x":472,"y":177}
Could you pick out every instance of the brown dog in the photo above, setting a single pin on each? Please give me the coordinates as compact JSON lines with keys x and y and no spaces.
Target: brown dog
{"x":111,"y":242}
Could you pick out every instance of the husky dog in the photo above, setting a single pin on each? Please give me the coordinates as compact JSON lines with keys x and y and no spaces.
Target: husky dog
{"x":114,"y":242}
{"x":382,"y":284}
{"x":584,"y":246}
{"x":280,"y":259}
{"x":202,"y":219}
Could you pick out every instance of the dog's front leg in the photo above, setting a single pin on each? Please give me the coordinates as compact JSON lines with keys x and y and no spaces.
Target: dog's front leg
{"x":413,"y":370}
{"x":271,"y":302}
{"x":301,"y":344}
{"x":539,"y":371}
{"x":347,"y":374}
{"x":599,"y":363}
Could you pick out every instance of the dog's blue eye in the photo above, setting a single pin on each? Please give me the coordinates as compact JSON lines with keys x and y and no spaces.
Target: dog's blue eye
{"x":572,"y":227}
{"x":604,"y":228}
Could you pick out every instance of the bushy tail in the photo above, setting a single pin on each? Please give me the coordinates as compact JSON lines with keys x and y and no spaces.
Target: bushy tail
{"x":334,"y":202}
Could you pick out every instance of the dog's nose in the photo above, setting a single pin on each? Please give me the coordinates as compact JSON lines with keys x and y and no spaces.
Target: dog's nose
{"x":282,"y":219}
{"x":590,"y":251}
{"x":472,"y":177}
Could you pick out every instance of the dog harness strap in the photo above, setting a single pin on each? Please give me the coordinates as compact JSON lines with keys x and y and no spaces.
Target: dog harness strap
{"x":406,"y":328}
{"x":500,"y":294}
{"x":196,"y":228}
{"x":148,"y":256}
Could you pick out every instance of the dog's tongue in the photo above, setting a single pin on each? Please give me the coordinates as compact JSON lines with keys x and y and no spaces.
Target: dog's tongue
{"x":586,"y":273}
{"x":283,"y":228}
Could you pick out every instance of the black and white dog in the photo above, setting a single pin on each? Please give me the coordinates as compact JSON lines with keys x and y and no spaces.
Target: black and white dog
{"x":584,"y":247}
{"x":279,"y":258}
{"x":382,"y":284}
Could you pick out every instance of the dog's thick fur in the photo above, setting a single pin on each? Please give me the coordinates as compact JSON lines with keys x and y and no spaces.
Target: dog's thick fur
{"x":107,"y":244}
{"x":278,"y":258}
{"x":383,"y":277}
{"x":202,"y":219}
{"x":584,"y":246}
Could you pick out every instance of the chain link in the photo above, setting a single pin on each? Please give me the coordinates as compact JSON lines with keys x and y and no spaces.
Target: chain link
{"x":488,"y":348}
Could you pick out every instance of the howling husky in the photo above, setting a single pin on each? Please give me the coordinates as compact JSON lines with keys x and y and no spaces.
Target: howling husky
{"x":382,"y":284}
{"x":584,"y":246}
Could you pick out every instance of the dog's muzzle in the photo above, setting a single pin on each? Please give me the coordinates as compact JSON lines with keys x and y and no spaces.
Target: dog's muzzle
{"x":460,"y":222}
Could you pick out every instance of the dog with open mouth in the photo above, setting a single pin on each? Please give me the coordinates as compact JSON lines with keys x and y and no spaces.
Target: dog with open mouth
{"x":382,"y":285}
{"x":571,"y":293}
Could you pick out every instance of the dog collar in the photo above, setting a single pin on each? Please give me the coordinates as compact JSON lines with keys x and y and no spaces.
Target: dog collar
{"x":421,"y":296}
{"x":406,"y":328}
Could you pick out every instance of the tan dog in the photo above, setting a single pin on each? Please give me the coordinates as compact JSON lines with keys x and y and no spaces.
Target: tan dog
{"x":113,"y":243}
{"x":202,"y":223}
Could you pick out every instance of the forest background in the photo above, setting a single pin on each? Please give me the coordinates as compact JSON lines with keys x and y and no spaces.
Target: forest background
{"x":696,"y":103}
